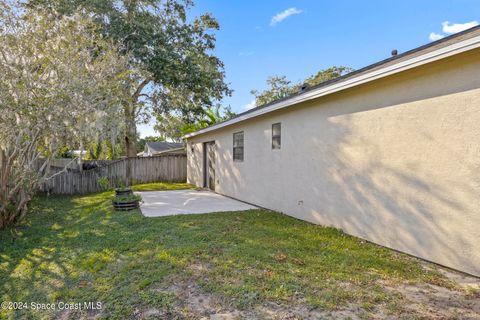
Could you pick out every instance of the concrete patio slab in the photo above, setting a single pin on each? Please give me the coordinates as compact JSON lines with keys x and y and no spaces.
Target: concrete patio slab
{"x":166,"y":203}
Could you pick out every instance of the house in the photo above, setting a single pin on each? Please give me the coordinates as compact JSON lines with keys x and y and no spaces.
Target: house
{"x":160,"y":148}
{"x":389,"y":153}
{"x":79,"y":153}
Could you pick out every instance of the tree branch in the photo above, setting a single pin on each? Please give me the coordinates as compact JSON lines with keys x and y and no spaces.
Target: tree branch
{"x":140,"y":87}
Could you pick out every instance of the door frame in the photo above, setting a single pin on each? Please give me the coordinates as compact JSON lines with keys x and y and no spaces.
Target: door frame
{"x":205,"y":163}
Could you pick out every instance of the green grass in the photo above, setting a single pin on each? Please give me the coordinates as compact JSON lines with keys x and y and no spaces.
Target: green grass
{"x":76,"y":249}
{"x":159,"y":186}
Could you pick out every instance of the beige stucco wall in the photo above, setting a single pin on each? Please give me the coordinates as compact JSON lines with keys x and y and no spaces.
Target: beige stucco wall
{"x":396,"y":162}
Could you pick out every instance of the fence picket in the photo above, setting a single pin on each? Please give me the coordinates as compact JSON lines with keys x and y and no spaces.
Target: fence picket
{"x":168,"y":168}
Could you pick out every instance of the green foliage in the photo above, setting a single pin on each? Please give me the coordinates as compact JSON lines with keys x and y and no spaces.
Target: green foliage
{"x":174,"y":126}
{"x":279,"y":87}
{"x":172,"y":54}
{"x":169,"y":125}
{"x":104,"y":183}
{"x":120,"y":183}
{"x":328,"y":74}
{"x":123,"y":189}
{"x":76,"y":248}
{"x":104,"y":149}
{"x":60,"y":84}
{"x":161,"y":186}
{"x":162,"y":300}
{"x":126,"y":199}
{"x":64,"y":152}
{"x":210,"y":117}
{"x":94,"y":150}
{"x":228,"y":113}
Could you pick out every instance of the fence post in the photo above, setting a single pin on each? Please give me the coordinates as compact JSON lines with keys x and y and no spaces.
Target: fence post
{"x":169,"y":168}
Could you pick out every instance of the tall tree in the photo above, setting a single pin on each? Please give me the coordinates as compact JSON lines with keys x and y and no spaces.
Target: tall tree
{"x":60,"y":82}
{"x":212,"y":116}
{"x":327,"y":74}
{"x":178,"y":71}
{"x":174,"y":126}
{"x":169,"y":126}
{"x":279,"y":87}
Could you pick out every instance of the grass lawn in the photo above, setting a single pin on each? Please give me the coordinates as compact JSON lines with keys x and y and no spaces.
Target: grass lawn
{"x":159,"y":186}
{"x":247,"y":264}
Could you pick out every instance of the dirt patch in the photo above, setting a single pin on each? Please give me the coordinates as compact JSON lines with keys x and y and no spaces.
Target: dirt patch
{"x":149,"y":313}
{"x":458,"y":299}
{"x":198,"y":267}
{"x":434,"y":302}
{"x":283,"y":312}
{"x":424,"y":301}
{"x":193,"y":303}
{"x":461,"y":279}
{"x":76,"y":314}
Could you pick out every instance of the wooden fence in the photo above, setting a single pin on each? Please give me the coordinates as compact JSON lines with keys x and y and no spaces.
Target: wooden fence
{"x":168,"y":168}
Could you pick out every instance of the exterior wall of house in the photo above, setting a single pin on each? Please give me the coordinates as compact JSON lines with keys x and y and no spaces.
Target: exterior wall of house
{"x":147,"y":152}
{"x":395,"y":161}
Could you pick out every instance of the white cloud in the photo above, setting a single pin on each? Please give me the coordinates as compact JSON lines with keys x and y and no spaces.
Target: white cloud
{"x":279,"y":17}
{"x":449,"y":28}
{"x":457,"y":27}
{"x":435,"y":36}
{"x":250,"y":105}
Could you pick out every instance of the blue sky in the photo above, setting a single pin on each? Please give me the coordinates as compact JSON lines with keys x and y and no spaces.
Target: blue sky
{"x":297,"y":38}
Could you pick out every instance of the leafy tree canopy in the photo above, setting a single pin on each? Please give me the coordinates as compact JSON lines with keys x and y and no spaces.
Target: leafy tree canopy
{"x":169,"y":126}
{"x":212,"y":116}
{"x":61,"y":83}
{"x":280,"y":87}
{"x":173,"y":53}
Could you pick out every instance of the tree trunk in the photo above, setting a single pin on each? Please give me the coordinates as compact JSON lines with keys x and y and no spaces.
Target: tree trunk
{"x":113,"y":138}
{"x":14,"y":193}
{"x":130,"y":131}
{"x":131,"y":128}
{"x":130,"y":139}
{"x":80,"y":158}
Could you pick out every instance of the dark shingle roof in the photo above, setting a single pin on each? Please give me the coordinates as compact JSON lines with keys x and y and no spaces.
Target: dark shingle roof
{"x":162,"y":146}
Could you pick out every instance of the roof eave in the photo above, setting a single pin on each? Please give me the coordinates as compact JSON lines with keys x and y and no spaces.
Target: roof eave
{"x":170,"y":150}
{"x":416,"y":61}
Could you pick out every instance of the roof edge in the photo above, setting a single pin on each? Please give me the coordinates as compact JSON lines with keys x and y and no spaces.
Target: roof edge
{"x":356,"y":78}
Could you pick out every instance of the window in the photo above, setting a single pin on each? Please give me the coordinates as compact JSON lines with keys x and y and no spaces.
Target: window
{"x":238,"y":146}
{"x":276,"y":135}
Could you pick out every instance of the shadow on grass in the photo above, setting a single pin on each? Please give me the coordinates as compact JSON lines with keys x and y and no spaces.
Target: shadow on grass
{"x":77,"y":249}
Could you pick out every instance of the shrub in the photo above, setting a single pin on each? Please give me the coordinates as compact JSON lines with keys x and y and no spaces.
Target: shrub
{"x":104,"y":183}
{"x":126,"y":199}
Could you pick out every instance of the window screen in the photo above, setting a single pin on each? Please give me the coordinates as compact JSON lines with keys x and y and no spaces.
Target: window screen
{"x":276,"y":135}
{"x":238,"y":146}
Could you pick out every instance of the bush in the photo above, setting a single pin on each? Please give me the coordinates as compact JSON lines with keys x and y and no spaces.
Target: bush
{"x":104,"y":183}
{"x":127,"y":199}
